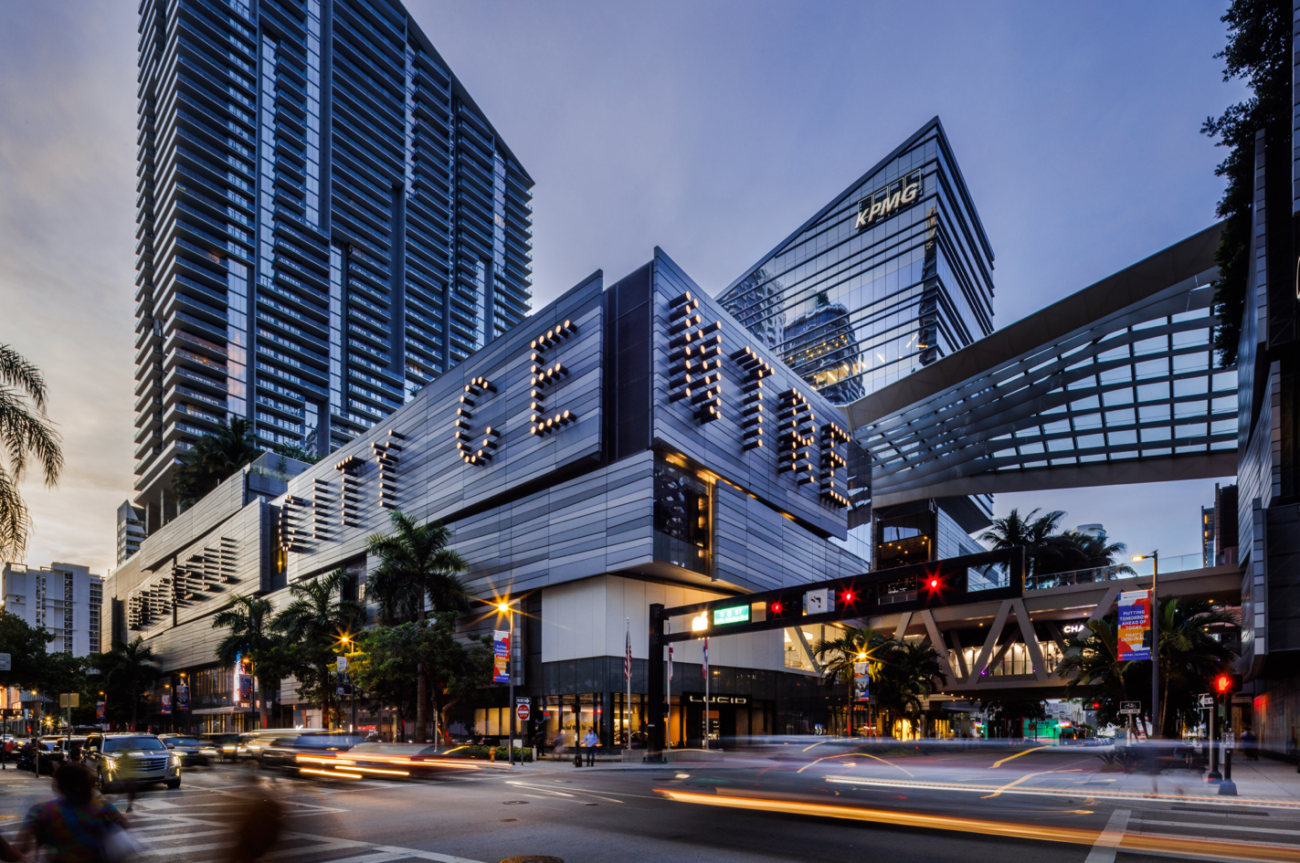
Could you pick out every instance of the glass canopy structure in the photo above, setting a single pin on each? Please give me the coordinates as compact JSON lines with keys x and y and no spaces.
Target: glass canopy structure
{"x":1114,"y":384}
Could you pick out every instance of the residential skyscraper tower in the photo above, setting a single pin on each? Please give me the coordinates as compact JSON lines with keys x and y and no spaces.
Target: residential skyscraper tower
{"x":326,"y":222}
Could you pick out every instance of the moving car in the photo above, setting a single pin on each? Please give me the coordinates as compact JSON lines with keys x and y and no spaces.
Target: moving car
{"x":284,"y":751}
{"x":192,"y":750}
{"x":116,"y":759}
{"x":46,"y":746}
{"x":225,"y":743}
{"x":254,"y":743}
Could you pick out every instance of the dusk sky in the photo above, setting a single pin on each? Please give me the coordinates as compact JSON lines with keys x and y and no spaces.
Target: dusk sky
{"x":710,"y":129}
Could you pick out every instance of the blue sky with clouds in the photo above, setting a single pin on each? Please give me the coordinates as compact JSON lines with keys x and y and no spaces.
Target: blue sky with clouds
{"x":711,"y":129}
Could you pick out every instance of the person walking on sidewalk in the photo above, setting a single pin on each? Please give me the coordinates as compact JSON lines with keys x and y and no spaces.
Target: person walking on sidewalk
{"x":591,"y":741}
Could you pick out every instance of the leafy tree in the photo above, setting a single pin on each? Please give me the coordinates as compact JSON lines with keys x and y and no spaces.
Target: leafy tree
{"x":415,"y":568}
{"x":26,"y":646}
{"x":838,"y":656}
{"x":313,"y":625}
{"x":390,"y":657}
{"x":213,"y":458}
{"x":1258,"y":51}
{"x":249,"y":635}
{"x":128,"y":671}
{"x":26,"y":432}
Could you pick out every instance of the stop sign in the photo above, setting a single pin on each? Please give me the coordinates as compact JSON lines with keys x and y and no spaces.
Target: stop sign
{"x":523,"y":712}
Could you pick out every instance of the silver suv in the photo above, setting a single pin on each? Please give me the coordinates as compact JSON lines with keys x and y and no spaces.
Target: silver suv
{"x":120,"y":758}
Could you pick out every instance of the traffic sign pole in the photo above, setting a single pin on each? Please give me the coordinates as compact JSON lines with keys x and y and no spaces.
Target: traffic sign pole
{"x":1213,"y":775}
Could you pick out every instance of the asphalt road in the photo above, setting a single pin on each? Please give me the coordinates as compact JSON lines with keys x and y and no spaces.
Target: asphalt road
{"x":795,"y":809}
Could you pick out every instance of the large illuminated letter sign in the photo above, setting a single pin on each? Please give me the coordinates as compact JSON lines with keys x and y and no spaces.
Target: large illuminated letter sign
{"x":545,"y":377}
{"x":751,"y":412}
{"x":694,"y":359}
{"x":795,"y":437}
{"x":472,"y":450}
{"x":832,"y":438}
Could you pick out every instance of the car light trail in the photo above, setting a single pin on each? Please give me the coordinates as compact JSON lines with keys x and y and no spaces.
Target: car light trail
{"x":1056,"y":792}
{"x":1163,"y":845}
{"x":330,"y":773}
{"x":373,"y":770}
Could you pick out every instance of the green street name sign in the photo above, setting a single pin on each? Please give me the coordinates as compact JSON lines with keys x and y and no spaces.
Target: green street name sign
{"x":735,"y":614}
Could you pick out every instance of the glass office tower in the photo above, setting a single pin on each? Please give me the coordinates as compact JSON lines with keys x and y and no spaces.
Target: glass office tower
{"x":891,"y":275}
{"x":326,"y":222}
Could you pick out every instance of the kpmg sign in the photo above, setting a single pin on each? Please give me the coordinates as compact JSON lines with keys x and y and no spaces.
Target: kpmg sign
{"x":889,"y":201}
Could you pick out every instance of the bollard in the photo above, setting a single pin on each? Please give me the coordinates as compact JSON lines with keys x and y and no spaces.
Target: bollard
{"x":1227,"y":788}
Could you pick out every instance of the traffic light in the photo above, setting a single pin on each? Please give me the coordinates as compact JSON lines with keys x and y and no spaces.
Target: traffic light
{"x":1095,"y":705}
{"x":1226,"y":683}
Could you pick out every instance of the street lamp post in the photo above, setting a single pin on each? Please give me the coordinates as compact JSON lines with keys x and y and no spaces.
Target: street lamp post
{"x":1155,"y":641}
{"x":504,"y":608}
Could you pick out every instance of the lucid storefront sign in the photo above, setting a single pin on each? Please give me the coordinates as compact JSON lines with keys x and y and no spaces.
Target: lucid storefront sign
{"x":889,"y":200}
{"x":719,"y":699}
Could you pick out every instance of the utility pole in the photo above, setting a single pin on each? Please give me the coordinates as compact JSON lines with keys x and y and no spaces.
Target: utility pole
{"x":1155,"y":641}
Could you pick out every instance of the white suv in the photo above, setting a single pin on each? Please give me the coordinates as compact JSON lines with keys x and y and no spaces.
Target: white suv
{"x":120,"y":758}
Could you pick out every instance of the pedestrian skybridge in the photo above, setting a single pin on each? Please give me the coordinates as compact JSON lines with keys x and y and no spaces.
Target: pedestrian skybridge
{"x":1114,"y":384}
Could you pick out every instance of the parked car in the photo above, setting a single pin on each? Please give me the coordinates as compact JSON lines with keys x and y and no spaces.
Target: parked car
{"x":46,"y":747}
{"x":192,"y":750}
{"x":67,"y":749}
{"x":119,"y":758}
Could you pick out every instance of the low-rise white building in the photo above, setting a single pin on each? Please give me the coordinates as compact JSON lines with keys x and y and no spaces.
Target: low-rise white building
{"x":66,"y":599}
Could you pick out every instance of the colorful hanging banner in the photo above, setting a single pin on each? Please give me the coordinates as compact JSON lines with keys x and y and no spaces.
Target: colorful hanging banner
{"x":182,"y":697}
{"x":166,"y":704}
{"x":1134,"y":625}
{"x":245,"y":687}
{"x":500,"y":656}
{"x":861,"y":682}
{"x":99,"y":711}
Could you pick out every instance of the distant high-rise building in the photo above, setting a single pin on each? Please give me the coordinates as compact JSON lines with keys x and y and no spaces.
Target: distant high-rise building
{"x":65,"y":599}
{"x":1207,"y":536}
{"x":130,"y":530}
{"x":326,"y":222}
{"x":892,"y":274}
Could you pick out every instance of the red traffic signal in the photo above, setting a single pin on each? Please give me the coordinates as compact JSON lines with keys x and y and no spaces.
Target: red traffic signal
{"x":1225,"y":683}
{"x":932,"y":582}
{"x":776,"y":608}
{"x":1096,"y":705}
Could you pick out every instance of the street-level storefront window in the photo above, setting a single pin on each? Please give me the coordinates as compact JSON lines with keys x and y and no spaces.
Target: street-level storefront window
{"x":569,"y":717}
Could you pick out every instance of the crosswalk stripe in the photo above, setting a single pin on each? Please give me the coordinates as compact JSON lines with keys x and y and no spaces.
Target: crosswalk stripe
{"x":206,"y":846}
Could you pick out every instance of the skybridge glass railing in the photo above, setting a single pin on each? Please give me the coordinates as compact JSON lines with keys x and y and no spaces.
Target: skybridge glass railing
{"x":1134,"y":569}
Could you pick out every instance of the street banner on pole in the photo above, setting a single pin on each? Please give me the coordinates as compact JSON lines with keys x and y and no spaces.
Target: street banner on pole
{"x":166,"y":704}
{"x":182,"y":697}
{"x":99,"y":711}
{"x":1134,"y":625}
{"x":245,"y":687}
{"x":500,"y":656}
{"x":861,"y":682}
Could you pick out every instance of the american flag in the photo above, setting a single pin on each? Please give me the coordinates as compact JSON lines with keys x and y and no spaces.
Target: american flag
{"x":670,"y":663}
{"x":627,"y":656}
{"x":706,"y":656}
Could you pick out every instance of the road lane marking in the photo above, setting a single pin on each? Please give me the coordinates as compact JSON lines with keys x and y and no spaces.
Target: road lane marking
{"x":1251,"y":829}
{"x":1010,"y":785}
{"x":1103,"y":850}
{"x":1017,"y":755}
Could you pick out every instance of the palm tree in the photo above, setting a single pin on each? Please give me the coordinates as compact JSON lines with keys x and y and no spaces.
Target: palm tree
{"x":1028,"y":532}
{"x":131,"y":669}
{"x":25,"y":430}
{"x":839,"y":655}
{"x":416,"y":568}
{"x":214,"y":457}
{"x":248,"y":619}
{"x":1069,"y":551}
{"x":1189,"y":654}
{"x":908,"y":672}
{"x":314,"y":623}
{"x":1093,"y":655}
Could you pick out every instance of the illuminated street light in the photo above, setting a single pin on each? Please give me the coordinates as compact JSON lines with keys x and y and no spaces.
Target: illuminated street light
{"x":700,"y":623}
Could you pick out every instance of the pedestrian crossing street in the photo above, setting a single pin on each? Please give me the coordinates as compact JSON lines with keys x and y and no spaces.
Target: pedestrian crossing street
{"x":199,"y":828}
